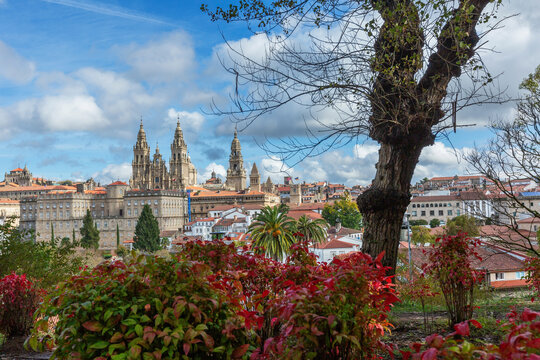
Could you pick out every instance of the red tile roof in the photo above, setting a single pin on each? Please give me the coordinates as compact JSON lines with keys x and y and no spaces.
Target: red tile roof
{"x":334,"y":244}
{"x":118,"y":183}
{"x":17,"y":170}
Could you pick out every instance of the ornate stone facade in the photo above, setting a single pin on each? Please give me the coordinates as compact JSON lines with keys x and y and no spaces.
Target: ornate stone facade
{"x":254,"y":179}
{"x":154,"y":174}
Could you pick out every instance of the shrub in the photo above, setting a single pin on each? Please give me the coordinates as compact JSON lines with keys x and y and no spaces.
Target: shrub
{"x":150,"y":308}
{"x":46,"y":263}
{"x":521,"y":341}
{"x":450,"y":265}
{"x":19,"y":299}
{"x":340,"y":312}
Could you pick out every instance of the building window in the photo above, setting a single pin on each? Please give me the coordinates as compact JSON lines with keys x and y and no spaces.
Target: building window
{"x":155,"y":212}
{"x":458,"y":212}
{"x":499,"y":276}
{"x":414,"y":213}
{"x":423,"y":213}
{"x":135,"y":203}
{"x":136,"y":212}
{"x":520,"y":275}
{"x":129,"y":212}
{"x":431,"y":212}
{"x":155,"y":202}
{"x":449,"y":212}
{"x":129,"y":222}
{"x":441,"y":213}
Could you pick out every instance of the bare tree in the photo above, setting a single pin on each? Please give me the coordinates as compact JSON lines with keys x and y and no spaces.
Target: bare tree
{"x":395,"y":70}
{"x":512,"y":155}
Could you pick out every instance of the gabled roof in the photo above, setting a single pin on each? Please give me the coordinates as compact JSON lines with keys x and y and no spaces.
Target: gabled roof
{"x":334,"y":244}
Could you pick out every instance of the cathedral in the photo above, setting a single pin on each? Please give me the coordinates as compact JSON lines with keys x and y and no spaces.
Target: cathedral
{"x":153,"y":174}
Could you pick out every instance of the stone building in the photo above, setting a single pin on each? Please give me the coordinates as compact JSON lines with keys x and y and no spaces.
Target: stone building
{"x":203,"y":200}
{"x":153,"y":174}
{"x":236,"y":174}
{"x":9,"y":209}
{"x":23,"y":177}
{"x":112,"y":206}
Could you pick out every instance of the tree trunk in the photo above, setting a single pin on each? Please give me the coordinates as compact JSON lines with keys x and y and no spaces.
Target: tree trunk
{"x":383,"y":205}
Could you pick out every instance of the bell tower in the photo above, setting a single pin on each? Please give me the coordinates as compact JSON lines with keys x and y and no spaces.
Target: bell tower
{"x":236,"y":174}
{"x":141,"y":161}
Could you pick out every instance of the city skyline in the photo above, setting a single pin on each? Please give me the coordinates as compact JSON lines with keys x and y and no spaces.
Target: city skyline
{"x":71,"y":101}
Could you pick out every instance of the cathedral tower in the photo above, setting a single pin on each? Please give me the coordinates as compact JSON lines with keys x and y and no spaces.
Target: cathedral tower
{"x":236,"y":174}
{"x":254,"y":179}
{"x":140,"y":177}
{"x":183,"y":173}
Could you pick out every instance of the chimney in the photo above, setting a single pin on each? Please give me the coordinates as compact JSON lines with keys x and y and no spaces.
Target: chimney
{"x":338,"y":226}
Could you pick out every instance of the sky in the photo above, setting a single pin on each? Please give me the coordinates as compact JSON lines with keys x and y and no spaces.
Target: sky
{"x":77,"y":76}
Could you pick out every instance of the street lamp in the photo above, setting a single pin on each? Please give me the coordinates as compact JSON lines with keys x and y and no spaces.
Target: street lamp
{"x":406,"y":219}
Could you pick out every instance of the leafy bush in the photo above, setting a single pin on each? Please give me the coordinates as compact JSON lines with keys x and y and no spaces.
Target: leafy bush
{"x":339,"y":313}
{"x":46,"y":263}
{"x":522,"y":341}
{"x":450,"y":265}
{"x":216,"y":301}
{"x":149,"y":308}
{"x":19,"y":299}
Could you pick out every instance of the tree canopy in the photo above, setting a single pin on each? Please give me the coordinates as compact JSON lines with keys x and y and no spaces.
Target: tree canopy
{"x":463,"y":223}
{"x":345,"y":211}
{"x":147,"y":232}
{"x":89,"y":232}
{"x":313,"y":231}
{"x":272,"y":231}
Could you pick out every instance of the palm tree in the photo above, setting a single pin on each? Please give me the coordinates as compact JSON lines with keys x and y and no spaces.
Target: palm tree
{"x":313,"y":230}
{"x":272,"y":231}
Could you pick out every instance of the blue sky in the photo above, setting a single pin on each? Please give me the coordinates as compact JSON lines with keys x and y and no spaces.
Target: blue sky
{"x":76,"y":76}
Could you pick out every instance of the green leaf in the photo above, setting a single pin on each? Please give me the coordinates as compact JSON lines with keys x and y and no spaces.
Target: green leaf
{"x":201,"y":327}
{"x":139,"y":330}
{"x":99,"y":345}
{"x":129,"y":322}
{"x":108,"y":314}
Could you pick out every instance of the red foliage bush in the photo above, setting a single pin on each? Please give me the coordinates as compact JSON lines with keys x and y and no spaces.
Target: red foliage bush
{"x":522,"y":342}
{"x":450,"y":264}
{"x":19,"y":299}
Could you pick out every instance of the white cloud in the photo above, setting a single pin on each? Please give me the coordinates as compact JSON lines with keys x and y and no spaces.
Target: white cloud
{"x":169,"y":59}
{"x":207,"y":172}
{"x":190,"y":121}
{"x":113,"y":172}
{"x":441,"y":160}
{"x":13,"y":66}
{"x":274,"y":168}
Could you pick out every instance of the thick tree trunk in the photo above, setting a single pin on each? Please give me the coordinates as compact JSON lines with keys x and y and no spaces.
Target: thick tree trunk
{"x":383,"y":205}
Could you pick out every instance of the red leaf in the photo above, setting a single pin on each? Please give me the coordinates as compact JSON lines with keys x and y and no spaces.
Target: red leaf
{"x":186,"y":347}
{"x":475,"y":323}
{"x":240,"y":351}
{"x":92,"y":325}
{"x":462,"y":328}
{"x":430,"y":354}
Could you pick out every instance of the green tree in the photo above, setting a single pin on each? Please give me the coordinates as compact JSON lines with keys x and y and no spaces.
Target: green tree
{"x":344,"y":210}
{"x":314,"y":231}
{"x":147,"y":232}
{"x":434,"y":223}
{"x":52,"y":232}
{"x":272,"y":231}
{"x":421,"y":235}
{"x":73,"y":240}
{"x":389,"y":69}
{"x":463,"y":223}
{"x":418,"y":222}
{"x":117,"y":236}
{"x":89,"y":232}
{"x":45,"y":261}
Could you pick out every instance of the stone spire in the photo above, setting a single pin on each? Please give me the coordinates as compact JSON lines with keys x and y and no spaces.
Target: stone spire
{"x":178,"y":135}
{"x":254,"y":179}
{"x":141,"y":138}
